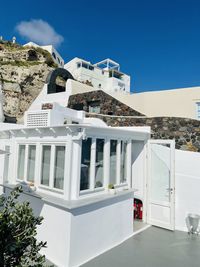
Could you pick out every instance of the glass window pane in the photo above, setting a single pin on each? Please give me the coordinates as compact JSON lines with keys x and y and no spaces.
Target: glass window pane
{"x":113,"y":161}
{"x":123,"y":167}
{"x":99,"y":163}
{"x":46,"y":157}
{"x":160,"y":172}
{"x":31,"y":163}
{"x":6,"y":163}
{"x":85,"y":164}
{"x":21,"y":159}
{"x":59,"y":167}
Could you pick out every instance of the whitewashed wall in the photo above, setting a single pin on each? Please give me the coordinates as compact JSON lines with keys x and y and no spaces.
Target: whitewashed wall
{"x":138,"y":168}
{"x":78,"y":235}
{"x":187,"y":181}
{"x":97,"y":228}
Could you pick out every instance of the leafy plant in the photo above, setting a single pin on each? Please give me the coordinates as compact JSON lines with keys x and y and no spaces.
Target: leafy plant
{"x":111,"y":186}
{"x":98,"y":184}
{"x":18,"y":244}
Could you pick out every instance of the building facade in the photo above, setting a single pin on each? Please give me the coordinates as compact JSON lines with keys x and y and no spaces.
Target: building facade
{"x":104,"y":75}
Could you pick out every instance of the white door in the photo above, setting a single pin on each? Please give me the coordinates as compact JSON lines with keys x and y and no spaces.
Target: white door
{"x":160,"y":184}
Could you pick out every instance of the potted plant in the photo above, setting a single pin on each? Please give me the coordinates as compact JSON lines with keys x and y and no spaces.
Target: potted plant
{"x":32,"y":186}
{"x":111,"y":189}
{"x":98,"y":184}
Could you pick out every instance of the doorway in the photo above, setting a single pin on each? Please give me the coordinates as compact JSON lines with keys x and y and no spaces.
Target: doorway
{"x":160,"y":184}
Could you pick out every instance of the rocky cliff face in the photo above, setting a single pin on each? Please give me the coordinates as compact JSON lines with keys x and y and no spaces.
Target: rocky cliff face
{"x":23,"y":71}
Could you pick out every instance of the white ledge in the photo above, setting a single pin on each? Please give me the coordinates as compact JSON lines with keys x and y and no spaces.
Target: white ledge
{"x":70,"y":205}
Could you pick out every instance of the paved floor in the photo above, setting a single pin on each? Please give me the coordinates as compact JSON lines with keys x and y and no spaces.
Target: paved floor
{"x":138,"y":225}
{"x":153,"y":247}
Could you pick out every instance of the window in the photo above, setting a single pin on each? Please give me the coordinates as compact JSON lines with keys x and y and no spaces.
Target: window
{"x":31,"y":163}
{"x":6,"y":163}
{"x":85,"y":164}
{"x":21,"y":161}
{"x":45,"y":171}
{"x":123,"y":159}
{"x":113,"y":161}
{"x":59,"y":167}
{"x":78,"y":106}
{"x":53,"y":166}
{"x":26,"y":163}
{"x":84,"y":65}
{"x":99,"y":175}
{"x":54,"y":55}
{"x":94,"y":163}
{"x":198,"y":110}
{"x":91,"y":67}
{"x":94,"y":107}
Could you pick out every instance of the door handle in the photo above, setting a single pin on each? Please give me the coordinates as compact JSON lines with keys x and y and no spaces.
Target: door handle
{"x":170,"y":190}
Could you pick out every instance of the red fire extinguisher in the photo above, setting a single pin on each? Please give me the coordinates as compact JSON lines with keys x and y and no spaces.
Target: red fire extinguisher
{"x":138,"y":208}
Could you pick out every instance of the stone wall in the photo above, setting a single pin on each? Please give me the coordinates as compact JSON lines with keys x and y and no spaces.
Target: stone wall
{"x":186,"y":132}
{"x":108,"y":104}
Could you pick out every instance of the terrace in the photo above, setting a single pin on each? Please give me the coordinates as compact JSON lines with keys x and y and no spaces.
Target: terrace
{"x":154,"y":247}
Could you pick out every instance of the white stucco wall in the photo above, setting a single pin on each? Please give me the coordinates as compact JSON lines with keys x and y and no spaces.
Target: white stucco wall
{"x":98,"y":228}
{"x":138,"y":168}
{"x":76,"y":235}
{"x":176,"y":102}
{"x":187,"y":182}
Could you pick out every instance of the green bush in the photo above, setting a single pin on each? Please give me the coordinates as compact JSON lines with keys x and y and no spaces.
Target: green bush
{"x":18,"y":244}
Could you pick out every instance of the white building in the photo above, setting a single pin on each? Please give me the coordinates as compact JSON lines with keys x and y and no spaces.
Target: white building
{"x":66,"y":162}
{"x":54,"y":53}
{"x":105,"y":75}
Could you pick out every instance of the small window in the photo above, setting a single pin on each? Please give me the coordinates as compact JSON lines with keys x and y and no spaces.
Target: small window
{"x":59,"y":167}
{"x":21,"y":162}
{"x":78,"y":65}
{"x":45,"y":170}
{"x":78,"y":106}
{"x":54,"y":55}
{"x":94,"y":107}
{"x":84,"y":65}
{"x":85,"y":164}
{"x":91,"y":67}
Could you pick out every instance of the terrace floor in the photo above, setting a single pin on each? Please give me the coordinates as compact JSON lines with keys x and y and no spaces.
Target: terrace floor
{"x":154,"y":247}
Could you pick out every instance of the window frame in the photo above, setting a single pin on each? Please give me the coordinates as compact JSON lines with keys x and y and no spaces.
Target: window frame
{"x":52,"y":167}
{"x":106,"y":165}
{"x":38,"y":164}
{"x":92,"y":188}
{"x":26,"y":162}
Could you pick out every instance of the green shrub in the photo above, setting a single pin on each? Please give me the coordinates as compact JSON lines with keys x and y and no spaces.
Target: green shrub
{"x":18,"y":244}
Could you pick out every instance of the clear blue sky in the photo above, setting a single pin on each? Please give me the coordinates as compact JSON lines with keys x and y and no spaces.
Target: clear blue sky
{"x":156,"y":42}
